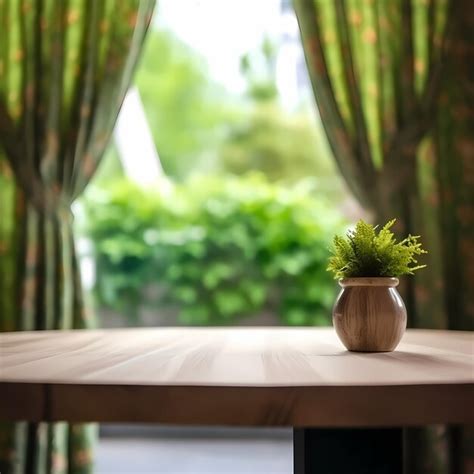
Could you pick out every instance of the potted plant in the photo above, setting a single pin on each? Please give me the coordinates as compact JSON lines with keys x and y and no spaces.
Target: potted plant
{"x":369,"y":315}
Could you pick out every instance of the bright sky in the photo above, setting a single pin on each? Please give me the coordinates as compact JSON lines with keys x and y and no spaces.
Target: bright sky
{"x":221,"y":30}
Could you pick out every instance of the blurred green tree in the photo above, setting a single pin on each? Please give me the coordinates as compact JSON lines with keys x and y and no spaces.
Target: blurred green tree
{"x":186,"y":110}
{"x":198,"y":126}
{"x":259,"y":69}
{"x":286,"y":145}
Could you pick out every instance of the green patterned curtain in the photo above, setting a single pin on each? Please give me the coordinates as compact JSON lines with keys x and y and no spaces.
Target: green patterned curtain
{"x":393,"y":81}
{"x":65,"y":66}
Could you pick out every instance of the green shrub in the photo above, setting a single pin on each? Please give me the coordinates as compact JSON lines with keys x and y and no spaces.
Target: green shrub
{"x":216,"y":249}
{"x":365,"y":252}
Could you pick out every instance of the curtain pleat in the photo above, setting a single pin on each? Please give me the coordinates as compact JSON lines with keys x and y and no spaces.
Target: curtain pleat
{"x":65,"y":66}
{"x":393,"y":85}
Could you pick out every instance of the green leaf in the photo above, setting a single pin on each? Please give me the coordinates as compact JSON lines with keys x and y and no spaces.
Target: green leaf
{"x":366,"y":253}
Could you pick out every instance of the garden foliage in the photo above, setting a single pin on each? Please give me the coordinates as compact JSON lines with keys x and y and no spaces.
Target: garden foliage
{"x":217,"y":249}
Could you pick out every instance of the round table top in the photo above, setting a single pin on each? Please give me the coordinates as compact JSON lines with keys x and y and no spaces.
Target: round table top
{"x":237,"y":376}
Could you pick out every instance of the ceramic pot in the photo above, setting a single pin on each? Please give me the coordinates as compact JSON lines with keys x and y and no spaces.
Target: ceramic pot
{"x":369,"y":314}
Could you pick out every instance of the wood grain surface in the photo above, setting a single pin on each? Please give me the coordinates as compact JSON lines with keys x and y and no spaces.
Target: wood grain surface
{"x":239,"y":376}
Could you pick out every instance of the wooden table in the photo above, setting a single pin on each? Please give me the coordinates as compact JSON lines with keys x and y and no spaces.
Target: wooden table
{"x":347,"y":408}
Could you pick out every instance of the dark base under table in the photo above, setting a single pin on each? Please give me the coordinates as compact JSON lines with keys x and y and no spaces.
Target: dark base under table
{"x":347,"y":451}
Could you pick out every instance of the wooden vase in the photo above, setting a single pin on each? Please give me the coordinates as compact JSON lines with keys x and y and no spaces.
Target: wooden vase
{"x":369,"y":314}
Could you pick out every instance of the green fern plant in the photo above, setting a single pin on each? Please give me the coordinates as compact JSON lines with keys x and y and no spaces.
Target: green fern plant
{"x":364,"y":252}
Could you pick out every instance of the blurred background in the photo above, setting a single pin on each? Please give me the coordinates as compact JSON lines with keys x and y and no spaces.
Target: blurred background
{"x":215,"y":204}
{"x":217,"y":197}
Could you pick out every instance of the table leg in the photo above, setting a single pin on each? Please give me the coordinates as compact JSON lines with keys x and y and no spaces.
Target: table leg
{"x":347,"y":451}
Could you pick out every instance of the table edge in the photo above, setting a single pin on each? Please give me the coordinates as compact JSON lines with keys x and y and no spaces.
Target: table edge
{"x":296,"y":406}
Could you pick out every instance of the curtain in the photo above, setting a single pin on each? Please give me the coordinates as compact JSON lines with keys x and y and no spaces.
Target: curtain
{"x":65,"y":66}
{"x":393,"y":81}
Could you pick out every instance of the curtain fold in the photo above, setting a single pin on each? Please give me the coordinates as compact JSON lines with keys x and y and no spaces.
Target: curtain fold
{"x":393,"y":82}
{"x":65,"y":66}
